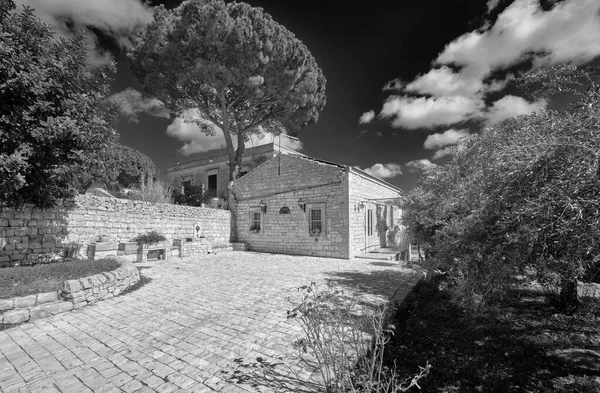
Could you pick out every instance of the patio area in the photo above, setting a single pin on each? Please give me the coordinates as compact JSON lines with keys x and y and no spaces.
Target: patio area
{"x":190,"y":326}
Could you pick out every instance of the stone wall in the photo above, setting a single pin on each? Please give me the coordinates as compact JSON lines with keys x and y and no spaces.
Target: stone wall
{"x":280,"y":183}
{"x":73,"y":294}
{"x":366,"y":194}
{"x":30,"y":235}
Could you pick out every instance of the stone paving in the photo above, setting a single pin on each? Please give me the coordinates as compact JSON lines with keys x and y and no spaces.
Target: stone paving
{"x":187,"y":329}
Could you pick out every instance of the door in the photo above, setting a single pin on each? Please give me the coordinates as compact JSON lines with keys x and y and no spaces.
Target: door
{"x":371,"y":237}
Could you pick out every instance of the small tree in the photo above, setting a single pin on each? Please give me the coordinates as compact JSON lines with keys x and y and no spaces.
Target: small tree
{"x":53,"y":115}
{"x":114,"y":163}
{"x":240,"y":70}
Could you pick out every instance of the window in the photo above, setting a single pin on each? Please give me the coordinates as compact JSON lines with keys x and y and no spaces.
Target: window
{"x":243,"y":173}
{"x":212,"y":184}
{"x":256,"y":221}
{"x":370,"y":222}
{"x":186,"y":184}
{"x":316,"y":219}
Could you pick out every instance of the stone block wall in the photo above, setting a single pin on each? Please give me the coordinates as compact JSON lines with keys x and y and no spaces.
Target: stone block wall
{"x":368,"y":193}
{"x":281,"y":183}
{"x":73,"y":294}
{"x":30,"y":235}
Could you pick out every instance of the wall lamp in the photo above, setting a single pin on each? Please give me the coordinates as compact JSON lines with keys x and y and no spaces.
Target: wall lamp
{"x":359,"y":206}
{"x":302,"y":204}
{"x":263,"y":206}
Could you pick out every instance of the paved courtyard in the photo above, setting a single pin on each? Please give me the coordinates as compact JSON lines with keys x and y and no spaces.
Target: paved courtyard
{"x":188,"y":329}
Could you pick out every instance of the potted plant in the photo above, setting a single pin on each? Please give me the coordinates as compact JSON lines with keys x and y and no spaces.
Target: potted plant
{"x":71,"y":250}
{"x":254,"y":229}
{"x":315,"y":232}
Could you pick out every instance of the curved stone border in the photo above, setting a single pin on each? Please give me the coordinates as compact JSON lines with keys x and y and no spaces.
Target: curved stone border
{"x":73,"y":294}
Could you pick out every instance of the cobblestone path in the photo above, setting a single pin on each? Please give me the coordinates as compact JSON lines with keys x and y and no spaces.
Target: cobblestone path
{"x":187,"y":329}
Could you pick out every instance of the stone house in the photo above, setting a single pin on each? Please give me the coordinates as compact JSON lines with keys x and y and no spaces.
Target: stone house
{"x":294,"y":204}
{"x":211,"y":168}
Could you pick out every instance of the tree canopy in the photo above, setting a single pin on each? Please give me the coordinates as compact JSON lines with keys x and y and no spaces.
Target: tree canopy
{"x":53,"y":115}
{"x":115,"y":163}
{"x":243,"y":72}
{"x":520,"y":198}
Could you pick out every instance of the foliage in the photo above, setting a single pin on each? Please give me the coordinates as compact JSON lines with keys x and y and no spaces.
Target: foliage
{"x":506,"y":348}
{"x":115,"y":163}
{"x":151,"y":237}
{"x":191,"y":196}
{"x":53,"y":115}
{"x":25,"y":280}
{"x":349,"y":358}
{"x":242,"y":71}
{"x":521,"y":198}
{"x":151,"y":190}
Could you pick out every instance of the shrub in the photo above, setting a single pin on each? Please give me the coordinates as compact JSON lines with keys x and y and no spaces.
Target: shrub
{"x":151,"y":237}
{"x":348,"y":342}
{"x":151,"y":190}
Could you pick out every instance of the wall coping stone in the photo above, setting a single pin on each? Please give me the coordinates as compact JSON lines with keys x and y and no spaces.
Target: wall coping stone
{"x":73,"y":294}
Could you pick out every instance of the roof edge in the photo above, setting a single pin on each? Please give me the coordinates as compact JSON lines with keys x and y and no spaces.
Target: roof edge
{"x":359,"y":171}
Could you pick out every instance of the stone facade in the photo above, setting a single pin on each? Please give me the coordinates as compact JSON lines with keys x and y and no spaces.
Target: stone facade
{"x":367,"y":193}
{"x":73,"y":294}
{"x":280,"y":183}
{"x":30,"y":235}
{"x":343,"y":194}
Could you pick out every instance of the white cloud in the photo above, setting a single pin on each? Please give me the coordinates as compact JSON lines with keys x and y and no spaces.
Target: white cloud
{"x":569,"y":32}
{"x":456,"y":88}
{"x":448,"y":137}
{"x":429,"y":112}
{"x":132,"y":103}
{"x":116,"y":18}
{"x":492,"y":4}
{"x":188,"y":129}
{"x":419,"y":165}
{"x":444,"y":81}
{"x":444,"y":152}
{"x":509,"y":106}
{"x":367,"y":117}
{"x":384,"y":171}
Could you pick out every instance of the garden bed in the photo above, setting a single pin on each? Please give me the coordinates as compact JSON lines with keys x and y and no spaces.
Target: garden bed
{"x":26,"y":280}
{"x":522,"y":345}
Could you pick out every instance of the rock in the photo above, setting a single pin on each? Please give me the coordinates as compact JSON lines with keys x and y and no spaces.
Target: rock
{"x":71,"y":286}
{"x":47,"y":297}
{"x":16,"y":316}
{"x":26,"y":301}
{"x":59,"y":307}
{"x":39,"y":312}
{"x":6,"y":304}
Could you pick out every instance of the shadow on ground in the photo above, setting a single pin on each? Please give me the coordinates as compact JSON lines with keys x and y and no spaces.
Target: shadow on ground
{"x":378,"y":283}
{"x":510,"y":347}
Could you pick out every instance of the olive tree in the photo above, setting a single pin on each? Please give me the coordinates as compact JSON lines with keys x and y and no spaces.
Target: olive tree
{"x":232,"y":63}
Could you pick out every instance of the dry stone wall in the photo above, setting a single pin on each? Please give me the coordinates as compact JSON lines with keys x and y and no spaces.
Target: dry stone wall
{"x":73,"y":294}
{"x":30,"y":235}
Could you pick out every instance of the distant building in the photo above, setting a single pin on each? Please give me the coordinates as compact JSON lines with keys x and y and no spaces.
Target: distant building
{"x":211,"y":168}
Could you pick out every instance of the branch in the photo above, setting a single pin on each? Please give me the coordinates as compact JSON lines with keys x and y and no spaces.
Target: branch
{"x":267,"y":117}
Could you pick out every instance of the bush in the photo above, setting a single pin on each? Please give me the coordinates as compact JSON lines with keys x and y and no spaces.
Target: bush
{"x":151,"y":190}
{"x":151,"y":237}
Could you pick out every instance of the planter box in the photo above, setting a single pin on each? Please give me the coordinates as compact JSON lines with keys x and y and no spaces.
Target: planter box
{"x":129,"y":247}
{"x":102,"y":250}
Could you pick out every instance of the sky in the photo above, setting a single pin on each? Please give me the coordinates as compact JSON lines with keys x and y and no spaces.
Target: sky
{"x":405,"y":79}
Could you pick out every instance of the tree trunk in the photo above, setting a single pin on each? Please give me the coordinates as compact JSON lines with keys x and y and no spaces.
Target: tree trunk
{"x":568,"y":298}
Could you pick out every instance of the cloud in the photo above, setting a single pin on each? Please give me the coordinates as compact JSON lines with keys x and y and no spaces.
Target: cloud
{"x":419,"y":165}
{"x":462,"y":76}
{"x":444,"y":152}
{"x":492,"y":4}
{"x":365,"y":133}
{"x":189,"y":129}
{"x":132,"y":103}
{"x":367,"y":117}
{"x":443,"y":82}
{"x":569,"y":32}
{"x":116,"y":18}
{"x":384,"y":171}
{"x":448,"y":137}
{"x":412,"y":113}
{"x":509,"y":106}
